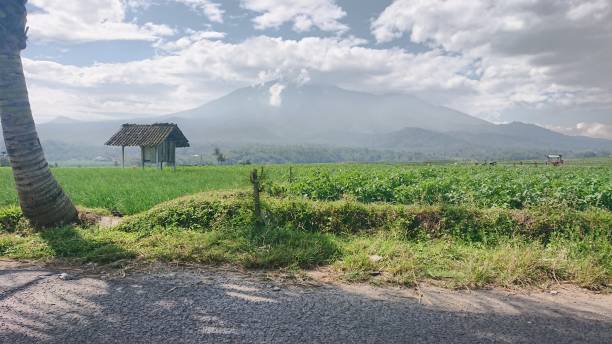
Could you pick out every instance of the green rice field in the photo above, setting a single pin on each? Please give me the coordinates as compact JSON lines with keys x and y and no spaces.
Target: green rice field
{"x":132,"y":190}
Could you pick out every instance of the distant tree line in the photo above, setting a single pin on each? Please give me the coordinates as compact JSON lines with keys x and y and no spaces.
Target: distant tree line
{"x":256,"y":154}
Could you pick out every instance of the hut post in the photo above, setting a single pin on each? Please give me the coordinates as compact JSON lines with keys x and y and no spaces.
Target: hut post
{"x":122,"y":156}
{"x":160,"y":155}
{"x":142,"y":157}
{"x":157,"y":162}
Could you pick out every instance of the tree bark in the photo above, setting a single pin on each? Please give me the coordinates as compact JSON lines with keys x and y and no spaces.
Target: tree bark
{"x":41,"y":198}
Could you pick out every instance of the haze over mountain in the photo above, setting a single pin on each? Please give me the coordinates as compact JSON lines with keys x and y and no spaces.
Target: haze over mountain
{"x":277,"y":114}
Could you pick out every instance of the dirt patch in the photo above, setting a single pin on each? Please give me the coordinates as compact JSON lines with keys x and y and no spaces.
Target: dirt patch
{"x":430,"y":221}
{"x":90,"y":218}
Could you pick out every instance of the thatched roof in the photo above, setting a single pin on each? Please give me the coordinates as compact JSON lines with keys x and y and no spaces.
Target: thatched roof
{"x":148,"y":135}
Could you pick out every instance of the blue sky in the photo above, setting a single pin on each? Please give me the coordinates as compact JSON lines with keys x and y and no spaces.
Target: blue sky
{"x":545,"y":62}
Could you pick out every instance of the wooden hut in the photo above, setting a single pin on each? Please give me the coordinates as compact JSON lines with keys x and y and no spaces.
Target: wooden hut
{"x":157,"y":142}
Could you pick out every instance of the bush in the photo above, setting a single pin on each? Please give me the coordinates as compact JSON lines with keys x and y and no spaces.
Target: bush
{"x":9,"y":219}
{"x":220,"y":211}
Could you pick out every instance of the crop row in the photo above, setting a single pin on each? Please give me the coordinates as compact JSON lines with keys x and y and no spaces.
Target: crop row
{"x":503,"y":187}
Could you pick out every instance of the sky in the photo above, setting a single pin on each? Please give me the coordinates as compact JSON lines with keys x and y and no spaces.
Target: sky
{"x":547,"y":62}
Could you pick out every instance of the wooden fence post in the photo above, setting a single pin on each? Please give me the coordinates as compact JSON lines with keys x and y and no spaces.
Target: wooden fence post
{"x":256,"y":200}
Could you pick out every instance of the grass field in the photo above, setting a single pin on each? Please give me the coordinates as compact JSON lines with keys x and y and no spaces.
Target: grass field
{"x":132,"y":190}
{"x":455,"y":225}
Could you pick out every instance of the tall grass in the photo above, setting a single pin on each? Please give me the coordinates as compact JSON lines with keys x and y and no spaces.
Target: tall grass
{"x":456,"y":247}
{"x":133,"y":190}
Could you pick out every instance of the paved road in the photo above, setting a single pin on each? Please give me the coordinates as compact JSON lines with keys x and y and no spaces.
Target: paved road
{"x":214,"y":306}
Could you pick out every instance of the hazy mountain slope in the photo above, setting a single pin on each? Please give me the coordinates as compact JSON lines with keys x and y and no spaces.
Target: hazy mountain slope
{"x":524,"y":136}
{"x":328,"y":116}
{"x":308,"y":111}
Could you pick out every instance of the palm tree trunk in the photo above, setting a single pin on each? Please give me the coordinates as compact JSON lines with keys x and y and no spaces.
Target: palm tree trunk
{"x":41,"y":198}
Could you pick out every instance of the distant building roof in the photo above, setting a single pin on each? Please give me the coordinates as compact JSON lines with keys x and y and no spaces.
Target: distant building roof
{"x":554,"y":156}
{"x":148,"y":135}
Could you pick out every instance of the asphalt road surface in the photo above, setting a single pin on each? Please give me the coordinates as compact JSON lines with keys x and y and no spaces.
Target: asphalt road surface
{"x":211,"y":305}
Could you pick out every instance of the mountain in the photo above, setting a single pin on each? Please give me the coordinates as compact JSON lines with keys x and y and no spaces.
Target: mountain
{"x":279,"y":115}
{"x":311,"y":112}
{"x":523,"y":136}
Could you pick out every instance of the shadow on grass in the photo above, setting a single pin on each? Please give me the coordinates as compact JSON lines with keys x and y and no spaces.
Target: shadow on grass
{"x":242,"y":245}
{"x":282,"y":247}
{"x":82,"y":245}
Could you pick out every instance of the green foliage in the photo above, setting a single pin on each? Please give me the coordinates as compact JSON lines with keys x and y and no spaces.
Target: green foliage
{"x":201,"y":212}
{"x":483,"y":187}
{"x":455,"y":263}
{"x":455,"y":246}
{"x":9,"y":218}
{"x":221,"y":210}
{"x":460,"y":226}
{"x":132,"y":190}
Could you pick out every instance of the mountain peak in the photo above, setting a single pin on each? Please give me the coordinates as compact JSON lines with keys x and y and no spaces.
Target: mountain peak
{"x":63,"y":120}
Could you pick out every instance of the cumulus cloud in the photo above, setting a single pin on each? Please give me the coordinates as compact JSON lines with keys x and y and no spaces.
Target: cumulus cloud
{"x":304,"y":14}
{"x":276,"y":92}
{"x":211,"y":10}
{"x":188,"y":40}
{"x":595,"y":129}
{"x":88,"y":20}
{"x":204,"y":69}
{"x":599,"y":130}
{"x":481,"y":57}
{"x":524,"y":52}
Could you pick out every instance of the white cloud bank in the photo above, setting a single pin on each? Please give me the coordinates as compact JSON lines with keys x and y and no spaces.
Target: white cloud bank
{"x":211,"y":10}
{"x":484,"y":57}
{"x":524,"y":52}
{"x":304,"y":14}
{"x":599,"y":130}
{"x":87,"y":21}
{"x":195,"y":71}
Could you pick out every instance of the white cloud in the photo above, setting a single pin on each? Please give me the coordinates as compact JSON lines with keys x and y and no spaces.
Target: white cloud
{"x":211,"y":10}
{"x":304,"y":14}
{"x":588,"y":9}
{"x":523,"y":52}
{"x":492,"y":58}
{"x":204,"y":69}
{"x":88,"y":20}
{"x":595,"y":129}
{"x":599,"y":130}
{"x":276,"y":92}
{"x":188,"y":40}
{"x":453,"y":24}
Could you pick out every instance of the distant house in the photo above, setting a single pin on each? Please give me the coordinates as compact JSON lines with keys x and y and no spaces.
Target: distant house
{"x":101,"y":159}
{"x":157,"y":142}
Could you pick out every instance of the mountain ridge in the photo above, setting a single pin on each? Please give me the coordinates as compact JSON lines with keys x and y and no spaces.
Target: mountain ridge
{"x":282,"y":115}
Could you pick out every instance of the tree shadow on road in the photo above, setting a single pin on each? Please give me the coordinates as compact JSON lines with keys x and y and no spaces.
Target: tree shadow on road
{"x":221,"y":306}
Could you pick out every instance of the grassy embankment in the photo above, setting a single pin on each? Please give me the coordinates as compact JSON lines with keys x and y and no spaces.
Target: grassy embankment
{"x":453,"y":244}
